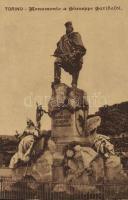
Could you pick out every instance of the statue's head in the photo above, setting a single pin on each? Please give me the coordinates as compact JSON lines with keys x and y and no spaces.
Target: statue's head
{"x":69,"y":27}
{"x":71,"y":149}
{"x":40,"y":107}
{"x":92,"y":124}
{"x":30,"y":122}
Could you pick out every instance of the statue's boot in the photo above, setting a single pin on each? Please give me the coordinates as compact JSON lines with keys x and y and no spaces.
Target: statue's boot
{"x":75,"y":76}
{"x":57,"y":73}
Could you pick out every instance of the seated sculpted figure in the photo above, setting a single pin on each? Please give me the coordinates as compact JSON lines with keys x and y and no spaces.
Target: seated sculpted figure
{"x":87,"y":164}
{"x":25,"y":147}
{"x":101,"y":144}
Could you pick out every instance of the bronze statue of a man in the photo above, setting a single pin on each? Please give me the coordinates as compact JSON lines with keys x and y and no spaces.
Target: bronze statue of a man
{"x":69,"y":55}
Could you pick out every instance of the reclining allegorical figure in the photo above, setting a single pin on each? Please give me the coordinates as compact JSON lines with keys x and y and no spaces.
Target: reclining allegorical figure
{"x":94,"y":163}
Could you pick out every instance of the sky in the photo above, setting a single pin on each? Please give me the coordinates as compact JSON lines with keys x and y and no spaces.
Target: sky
{"x":27,"y":41}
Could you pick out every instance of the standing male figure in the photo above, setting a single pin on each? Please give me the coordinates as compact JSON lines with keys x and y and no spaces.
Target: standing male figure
{"x":69,"y":55}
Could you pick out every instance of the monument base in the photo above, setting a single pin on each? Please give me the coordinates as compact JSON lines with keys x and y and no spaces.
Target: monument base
{"x":68,"y":108}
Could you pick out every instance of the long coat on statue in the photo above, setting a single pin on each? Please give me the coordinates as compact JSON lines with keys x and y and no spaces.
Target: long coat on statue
{"x":68,"y":45}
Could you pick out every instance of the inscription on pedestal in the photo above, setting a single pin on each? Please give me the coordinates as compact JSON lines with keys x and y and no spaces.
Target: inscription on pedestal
{"x":62,"y":124}
{"x":62,"y":120}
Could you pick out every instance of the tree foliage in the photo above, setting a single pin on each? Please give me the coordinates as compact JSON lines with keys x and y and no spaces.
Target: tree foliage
{"x":114,"y":119}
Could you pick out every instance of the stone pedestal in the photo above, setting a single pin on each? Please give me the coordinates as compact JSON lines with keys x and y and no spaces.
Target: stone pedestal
{"x":68,"y":108}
